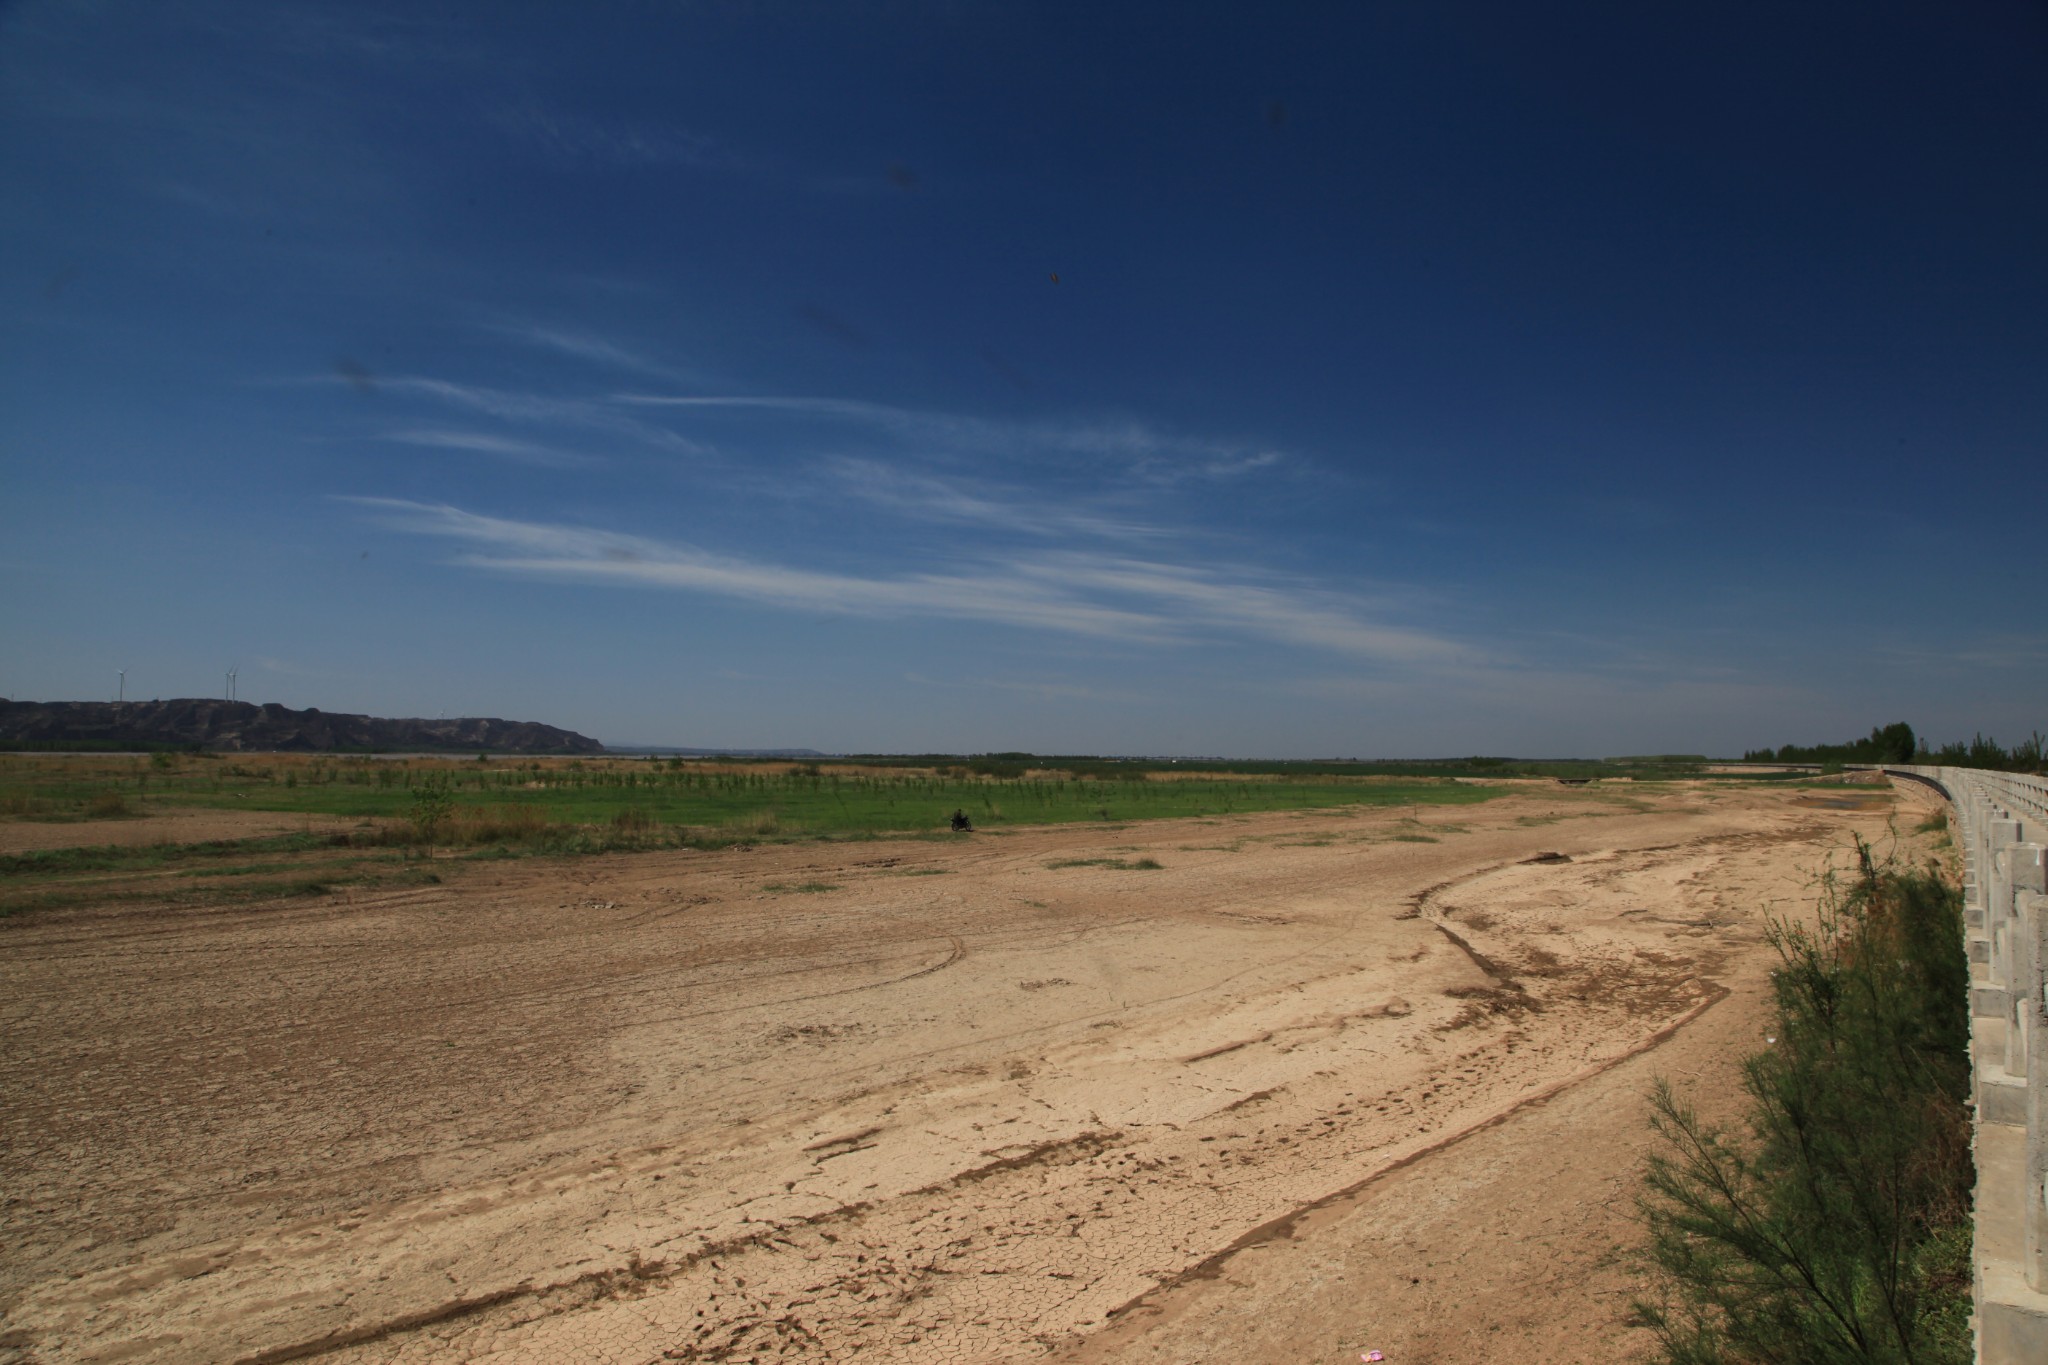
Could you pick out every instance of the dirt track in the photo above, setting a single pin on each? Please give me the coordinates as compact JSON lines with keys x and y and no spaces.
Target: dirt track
{"x":964,"y":1106}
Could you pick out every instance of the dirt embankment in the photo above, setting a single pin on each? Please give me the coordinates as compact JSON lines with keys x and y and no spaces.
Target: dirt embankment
{"x":911,"y":1101}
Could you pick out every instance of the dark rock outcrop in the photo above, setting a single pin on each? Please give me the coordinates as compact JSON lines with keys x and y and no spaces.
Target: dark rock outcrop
{"x":240,"y":726}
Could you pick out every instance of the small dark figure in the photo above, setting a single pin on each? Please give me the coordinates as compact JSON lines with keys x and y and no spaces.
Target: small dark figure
{"x":961,"y":824}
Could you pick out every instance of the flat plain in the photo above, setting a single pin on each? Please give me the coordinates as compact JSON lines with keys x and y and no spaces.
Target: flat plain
{"x":1262,"y":1085}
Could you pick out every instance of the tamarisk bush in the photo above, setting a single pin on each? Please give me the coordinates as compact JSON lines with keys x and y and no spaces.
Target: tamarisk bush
{"x":1838,"y":1229}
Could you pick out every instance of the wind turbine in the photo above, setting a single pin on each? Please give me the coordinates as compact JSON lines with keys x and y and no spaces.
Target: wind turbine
{"x":232,"y":670}
{"x":121,"y":694}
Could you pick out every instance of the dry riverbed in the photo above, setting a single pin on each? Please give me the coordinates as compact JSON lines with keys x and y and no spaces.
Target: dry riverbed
{"x":1316,"y":1082}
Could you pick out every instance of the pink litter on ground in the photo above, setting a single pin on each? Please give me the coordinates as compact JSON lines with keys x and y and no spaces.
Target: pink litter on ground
{"x":1372,"y":1355}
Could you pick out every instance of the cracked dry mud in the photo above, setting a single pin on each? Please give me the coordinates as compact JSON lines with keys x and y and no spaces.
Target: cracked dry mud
{"x":640,"y":1108}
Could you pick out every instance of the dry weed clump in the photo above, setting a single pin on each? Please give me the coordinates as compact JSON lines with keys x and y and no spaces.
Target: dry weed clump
{"x":474,"y":825}
{"x":753,"y":825}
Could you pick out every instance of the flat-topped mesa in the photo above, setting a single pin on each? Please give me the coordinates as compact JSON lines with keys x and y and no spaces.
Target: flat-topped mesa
{"x":240,"y":726}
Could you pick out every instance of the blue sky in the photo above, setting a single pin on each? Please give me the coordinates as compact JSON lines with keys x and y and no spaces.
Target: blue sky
{"x":1417,"y":379}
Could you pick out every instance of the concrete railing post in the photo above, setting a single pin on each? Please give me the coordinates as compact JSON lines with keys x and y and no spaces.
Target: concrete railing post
{"x":2034,"y":911}
{"x":2030,"y":1022}
{"x":2001,"y":828}
{"x":2019,"y":872}
{"x":1994,"y":881}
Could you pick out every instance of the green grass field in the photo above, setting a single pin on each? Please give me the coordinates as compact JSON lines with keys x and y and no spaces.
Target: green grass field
{"x":505,"y":798}
{"x":413,"y":821}
{"x":393,"y":822}
{"x":764,"y":799}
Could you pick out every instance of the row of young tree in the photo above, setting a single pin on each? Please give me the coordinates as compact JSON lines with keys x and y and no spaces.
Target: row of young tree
{"x":1897,"y":743}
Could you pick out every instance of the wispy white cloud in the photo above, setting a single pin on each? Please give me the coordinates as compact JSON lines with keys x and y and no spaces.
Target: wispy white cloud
{"x":1044,"y":691}
{"x":487,"y":443}
{"x":926,"y":497}
{"x":828,"y":407}
{"x":1276,"y":610}
{"x":502,"y":403}
{"x":585,"y":135}
{"x":1122,"y":599}
{"x":356,"y":33}
{"x":539,"y":409}
{"x":594,"y":349}
{"x":1986,"y":651}
{"x":1229,"y":466}
{"x":1143,"y":451}
{"x":574,"y":553}
{"x":579,"y":136}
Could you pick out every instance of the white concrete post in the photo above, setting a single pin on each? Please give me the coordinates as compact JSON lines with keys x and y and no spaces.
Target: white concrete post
{"x":2001,"y":827}
{"x":1970,"y":815}
{"x":1996,"y":878}
{"x":2033,"y":1005}
{"x":2020,"y":872}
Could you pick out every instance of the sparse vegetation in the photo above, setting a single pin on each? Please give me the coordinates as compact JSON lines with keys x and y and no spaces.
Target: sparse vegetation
{"x":212,"y":872}
{"x":106,"y":805}
{"x":566,"y":805}
{"x":431,"y":807}
{"x":1838,"y":1230}
{"x":1120,"y":864}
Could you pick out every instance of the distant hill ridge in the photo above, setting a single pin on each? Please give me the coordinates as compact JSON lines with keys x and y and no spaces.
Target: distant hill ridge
{"x":676,"y":751}
{"x":241,"y":726}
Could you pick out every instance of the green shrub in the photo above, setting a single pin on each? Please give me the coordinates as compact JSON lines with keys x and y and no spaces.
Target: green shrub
{"x":634,"y":821}
{"x":431,"y":808}
{"x":1831,"y":1232}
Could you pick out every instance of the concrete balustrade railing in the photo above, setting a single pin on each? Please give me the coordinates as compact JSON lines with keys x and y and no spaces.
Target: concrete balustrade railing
{"x":2001,"y":824}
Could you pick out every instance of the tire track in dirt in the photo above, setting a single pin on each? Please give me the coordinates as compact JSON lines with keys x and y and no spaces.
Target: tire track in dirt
{"x":726,"y":1346}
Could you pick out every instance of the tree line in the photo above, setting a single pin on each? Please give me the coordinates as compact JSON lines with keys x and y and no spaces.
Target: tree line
{"x":1896,"y":743}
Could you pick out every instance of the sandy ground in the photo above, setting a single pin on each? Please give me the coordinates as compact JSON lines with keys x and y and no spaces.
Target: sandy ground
{"x":1312,"y":1086}
{"x":168,"y":827}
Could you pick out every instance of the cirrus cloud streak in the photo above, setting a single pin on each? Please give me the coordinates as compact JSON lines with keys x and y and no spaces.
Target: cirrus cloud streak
{"x":1110,"y":597}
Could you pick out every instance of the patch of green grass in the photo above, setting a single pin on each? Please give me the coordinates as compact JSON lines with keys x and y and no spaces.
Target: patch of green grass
{"x":107,"y":805}
{"x":558,"y":806}
{"x":780,"y":888}
{"x":1119,"y":864}
{"x":256,"y":869}
{"x":146,"y":857}
{"x":1416,"y":839}
{"x":317,"y":880}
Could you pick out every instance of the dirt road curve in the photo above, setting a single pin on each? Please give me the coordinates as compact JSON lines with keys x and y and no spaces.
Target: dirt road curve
{"x":964,"y":1105}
